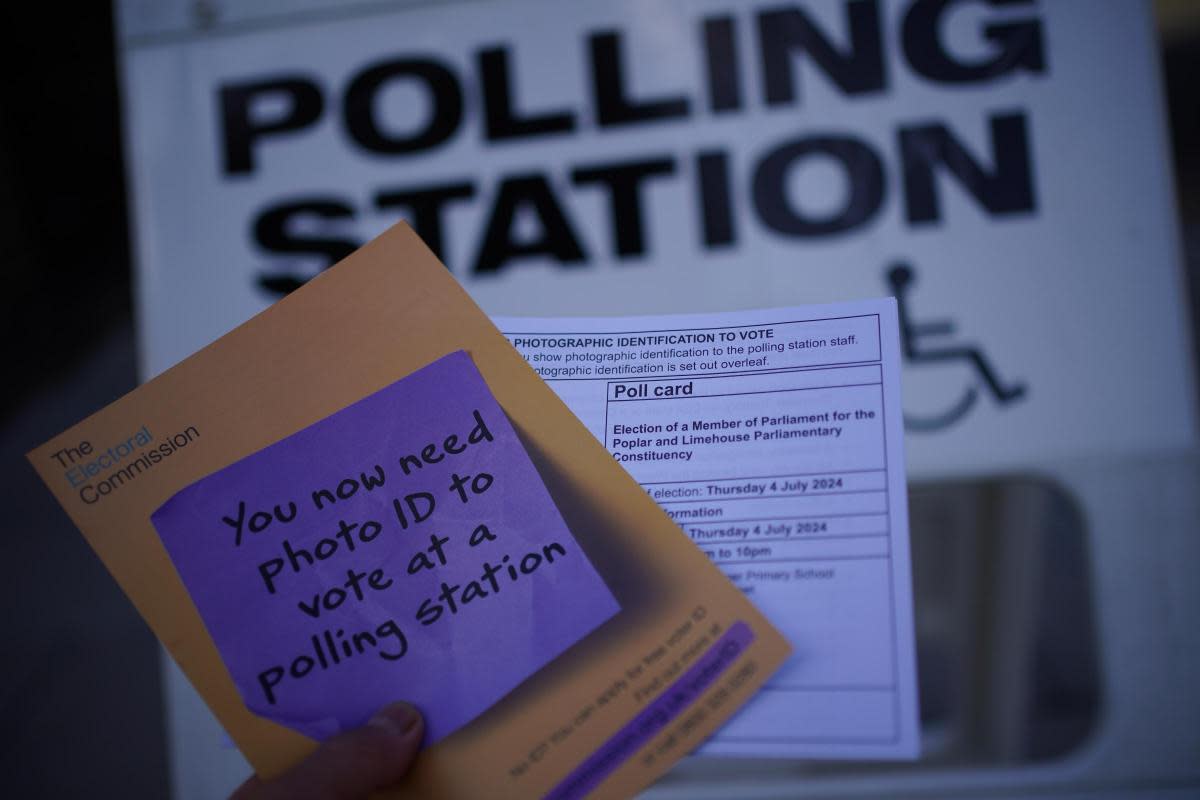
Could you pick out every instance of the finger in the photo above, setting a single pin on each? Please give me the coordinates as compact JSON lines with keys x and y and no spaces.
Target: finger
{"x":350,"y":765}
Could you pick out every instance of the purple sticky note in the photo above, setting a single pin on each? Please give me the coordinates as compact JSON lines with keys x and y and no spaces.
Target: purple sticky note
{"x":403,"y":548}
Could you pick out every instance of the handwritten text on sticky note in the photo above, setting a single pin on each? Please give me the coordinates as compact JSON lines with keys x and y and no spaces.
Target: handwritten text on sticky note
{"x":401,"y":548}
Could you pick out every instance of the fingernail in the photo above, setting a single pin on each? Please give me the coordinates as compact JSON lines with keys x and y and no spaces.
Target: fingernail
{"x":398,"y":718}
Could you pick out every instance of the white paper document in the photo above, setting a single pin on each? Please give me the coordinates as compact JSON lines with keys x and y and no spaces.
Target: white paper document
{"x":775,"y":439}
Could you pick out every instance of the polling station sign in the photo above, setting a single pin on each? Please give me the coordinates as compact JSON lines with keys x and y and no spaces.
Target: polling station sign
{"x":999,"y":167}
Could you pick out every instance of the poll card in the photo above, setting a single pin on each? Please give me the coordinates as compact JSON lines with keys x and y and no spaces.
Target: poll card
{"x":364,"y":494}
{"x":774,"y":439}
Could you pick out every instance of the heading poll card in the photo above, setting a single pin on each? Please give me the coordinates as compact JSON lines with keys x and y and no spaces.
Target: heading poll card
{"x":604,"y":718}
{"x":349,"y":563}
{"x":774,"y":439}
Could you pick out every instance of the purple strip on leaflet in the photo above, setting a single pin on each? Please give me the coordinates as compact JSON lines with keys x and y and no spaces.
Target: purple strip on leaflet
{"x":654,"y":718}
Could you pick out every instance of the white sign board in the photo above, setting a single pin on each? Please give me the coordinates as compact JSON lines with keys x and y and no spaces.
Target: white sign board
{"x":1000,"y":166}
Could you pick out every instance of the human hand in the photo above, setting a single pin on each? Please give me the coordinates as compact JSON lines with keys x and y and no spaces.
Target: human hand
{"x":351,"y":765}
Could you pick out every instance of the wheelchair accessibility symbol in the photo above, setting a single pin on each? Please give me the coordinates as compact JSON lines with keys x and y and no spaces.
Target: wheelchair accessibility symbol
{"x":912,"y":337}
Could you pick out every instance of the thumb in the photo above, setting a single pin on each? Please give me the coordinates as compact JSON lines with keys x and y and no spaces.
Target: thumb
{"x":351,"y":765}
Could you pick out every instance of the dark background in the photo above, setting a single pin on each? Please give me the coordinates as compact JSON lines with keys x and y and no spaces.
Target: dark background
{"x":80,"y":694}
